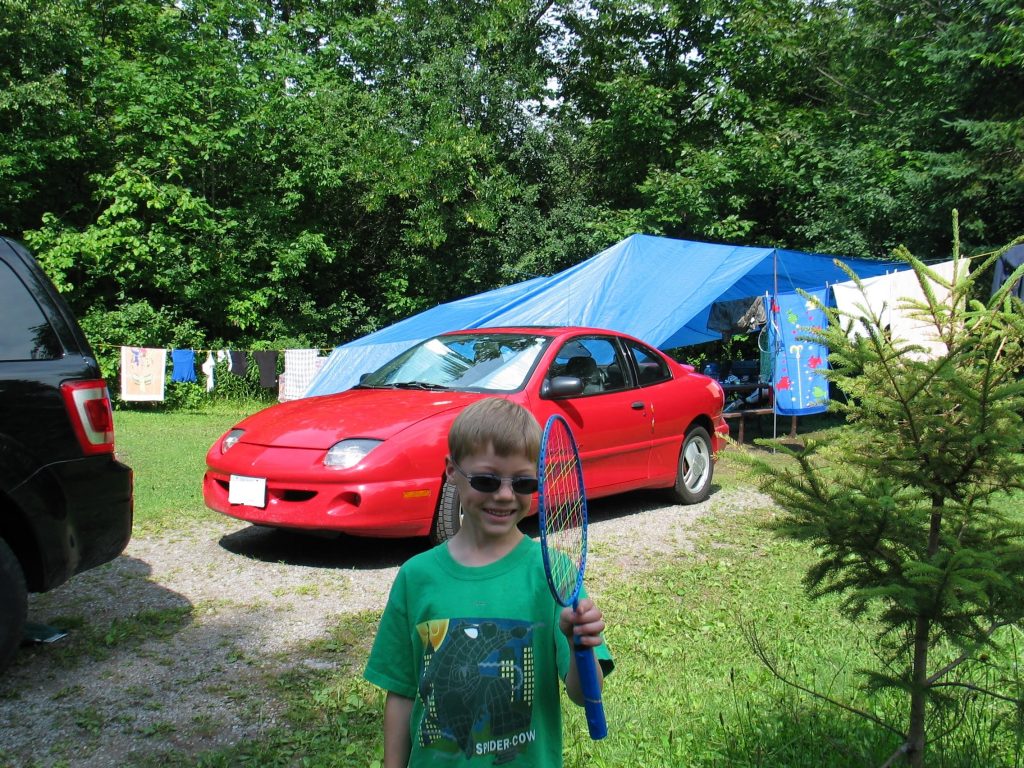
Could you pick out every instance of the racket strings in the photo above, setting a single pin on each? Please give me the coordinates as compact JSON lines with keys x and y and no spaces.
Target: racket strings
{"x":565,"y":515}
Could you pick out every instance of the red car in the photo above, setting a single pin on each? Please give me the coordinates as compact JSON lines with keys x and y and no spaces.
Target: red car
{"x":370,"y":461}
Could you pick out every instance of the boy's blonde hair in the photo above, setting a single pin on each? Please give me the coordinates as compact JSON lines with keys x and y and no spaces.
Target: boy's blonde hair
{"x":505,"y":426}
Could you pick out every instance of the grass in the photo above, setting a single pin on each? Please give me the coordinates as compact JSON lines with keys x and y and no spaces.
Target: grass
{"x":167,"y":450}
{"x":688,"y":689}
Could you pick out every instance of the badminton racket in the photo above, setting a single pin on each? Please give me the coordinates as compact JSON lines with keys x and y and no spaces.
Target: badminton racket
{"x":563,"y":537}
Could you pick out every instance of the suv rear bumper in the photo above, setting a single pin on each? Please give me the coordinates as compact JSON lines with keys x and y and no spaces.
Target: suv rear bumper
{"x":90,"y":525}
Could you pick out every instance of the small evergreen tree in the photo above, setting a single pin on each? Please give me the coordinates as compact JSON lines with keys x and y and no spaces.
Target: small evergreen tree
{"x":907,"y":504}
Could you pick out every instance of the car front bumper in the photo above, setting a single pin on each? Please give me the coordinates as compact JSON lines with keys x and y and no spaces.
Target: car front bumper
{"x":380,"y":509}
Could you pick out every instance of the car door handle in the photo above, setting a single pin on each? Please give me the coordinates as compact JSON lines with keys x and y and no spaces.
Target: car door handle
{"x":637,"y":406}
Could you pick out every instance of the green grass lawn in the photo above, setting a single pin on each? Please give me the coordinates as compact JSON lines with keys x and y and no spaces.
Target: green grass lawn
{"x":167,"y":450}
{"x":688,"y":689}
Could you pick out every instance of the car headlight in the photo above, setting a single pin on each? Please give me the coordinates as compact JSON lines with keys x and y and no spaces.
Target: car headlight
{"x":348,"y":453}
{"x":230,"y":439}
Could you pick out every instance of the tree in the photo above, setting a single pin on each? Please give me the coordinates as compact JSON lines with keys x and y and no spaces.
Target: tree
{"x":906,"y":505}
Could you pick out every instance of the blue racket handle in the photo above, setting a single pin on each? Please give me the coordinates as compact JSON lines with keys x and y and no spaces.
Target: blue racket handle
{"x":586,"y":667}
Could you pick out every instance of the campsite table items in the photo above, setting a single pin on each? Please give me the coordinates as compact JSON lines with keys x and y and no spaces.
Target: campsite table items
{"x":763,"y":389}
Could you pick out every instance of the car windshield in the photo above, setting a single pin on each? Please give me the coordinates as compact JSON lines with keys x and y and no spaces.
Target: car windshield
{"x":486,"y":362}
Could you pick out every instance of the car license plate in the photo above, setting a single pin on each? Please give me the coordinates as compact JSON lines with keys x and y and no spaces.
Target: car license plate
{"x":251,"y":491}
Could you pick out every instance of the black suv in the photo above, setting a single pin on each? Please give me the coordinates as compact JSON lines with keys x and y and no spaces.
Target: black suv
{"x":65,"y":502}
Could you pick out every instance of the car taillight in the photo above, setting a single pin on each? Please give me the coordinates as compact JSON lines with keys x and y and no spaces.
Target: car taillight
{"x":88,"y":406}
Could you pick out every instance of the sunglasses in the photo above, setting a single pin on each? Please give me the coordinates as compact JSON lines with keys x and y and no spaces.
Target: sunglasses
{"x":487,"y":483}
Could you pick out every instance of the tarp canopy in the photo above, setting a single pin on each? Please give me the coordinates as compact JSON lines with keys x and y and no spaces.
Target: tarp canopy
{"x":655,"y":288}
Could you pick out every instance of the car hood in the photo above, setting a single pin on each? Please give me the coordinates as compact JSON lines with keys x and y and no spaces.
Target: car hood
{"x":320,"y":422}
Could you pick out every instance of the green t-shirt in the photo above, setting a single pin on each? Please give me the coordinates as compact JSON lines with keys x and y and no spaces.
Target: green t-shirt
{"x":480,"y":653}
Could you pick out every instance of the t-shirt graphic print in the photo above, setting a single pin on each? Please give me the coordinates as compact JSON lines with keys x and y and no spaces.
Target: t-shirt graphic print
{"x":477,"y":687}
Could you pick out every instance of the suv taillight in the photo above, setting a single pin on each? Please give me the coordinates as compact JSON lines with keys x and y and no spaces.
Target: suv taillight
{"x":88,"y":406}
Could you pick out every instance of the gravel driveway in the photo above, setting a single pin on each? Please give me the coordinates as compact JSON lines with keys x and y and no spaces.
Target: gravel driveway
{"x":244,"y":603}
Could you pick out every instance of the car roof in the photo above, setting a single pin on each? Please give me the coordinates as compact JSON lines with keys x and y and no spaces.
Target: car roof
{"x":543,"y":330}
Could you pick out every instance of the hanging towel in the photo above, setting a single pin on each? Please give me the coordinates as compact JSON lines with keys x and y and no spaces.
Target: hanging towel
{"x":300,"y":365}
{"x":890,"y":300}
{"x":266,"y":361}
{"x":208,"y":368}
{"x":143,"y":372}
{"x":239,"y":363}
{"x":799,"y":382}
{"x":183,"y":365}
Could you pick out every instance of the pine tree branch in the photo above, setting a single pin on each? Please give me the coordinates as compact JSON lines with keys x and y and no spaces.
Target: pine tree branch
{"x":933,"y":679}
{"x":762,"y":653}
{"x":979,"y":689}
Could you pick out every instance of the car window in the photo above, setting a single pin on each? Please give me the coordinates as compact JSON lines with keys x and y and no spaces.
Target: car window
{"x":595,"y":360}
{"x":25,"y":333}
{"x":477,"y":362}
{"x":650,"y":366}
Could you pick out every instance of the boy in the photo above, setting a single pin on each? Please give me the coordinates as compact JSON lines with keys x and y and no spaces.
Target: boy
{"x":471,"y":641}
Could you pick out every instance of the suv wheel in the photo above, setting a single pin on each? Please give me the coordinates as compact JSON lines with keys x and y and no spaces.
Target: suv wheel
{"x":13,"y":604}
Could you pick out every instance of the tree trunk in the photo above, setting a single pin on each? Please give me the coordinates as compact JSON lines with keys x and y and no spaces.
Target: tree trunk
{"x":919,"y":672}
{"x":918,"y":694}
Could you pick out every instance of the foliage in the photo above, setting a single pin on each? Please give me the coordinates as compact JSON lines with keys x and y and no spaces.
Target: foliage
{"x":321,"y":169}
{"x":905,"y":506}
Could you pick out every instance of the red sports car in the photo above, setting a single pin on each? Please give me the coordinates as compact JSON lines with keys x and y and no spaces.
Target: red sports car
{"x":370,"y":461}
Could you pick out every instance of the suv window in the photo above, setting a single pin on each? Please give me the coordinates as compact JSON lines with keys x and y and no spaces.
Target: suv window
{"x":25,"y":333}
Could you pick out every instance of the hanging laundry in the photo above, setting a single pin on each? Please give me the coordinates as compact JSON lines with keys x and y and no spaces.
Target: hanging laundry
{"x":208,"y":368}
{"x":735,"y":315}
{"x":798,"y":380}
{"x":300,"y":366}
{"x":143,"y":372}
{"x":889,"y":300}
{"x":1006,"y":265}
{"x":183,"y":365}
{"x":266,"y":361}
{"x":239,"y":363}
{"x":756,"y":317}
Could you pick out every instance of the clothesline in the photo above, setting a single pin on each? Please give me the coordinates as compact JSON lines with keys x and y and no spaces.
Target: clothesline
{"x":107,"y":345}
{"x":144,"y":369}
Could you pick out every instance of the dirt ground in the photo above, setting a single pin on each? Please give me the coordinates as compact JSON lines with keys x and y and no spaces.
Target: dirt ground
{"x":172,"y":644}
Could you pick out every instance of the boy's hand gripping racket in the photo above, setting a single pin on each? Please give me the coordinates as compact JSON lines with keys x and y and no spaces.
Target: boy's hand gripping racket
{"x":563,"y":538}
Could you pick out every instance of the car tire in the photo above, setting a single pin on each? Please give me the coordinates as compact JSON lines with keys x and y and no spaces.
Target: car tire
{"x":13,"y":604}
{"x":448,"y":519}
{"x":696,"y":468}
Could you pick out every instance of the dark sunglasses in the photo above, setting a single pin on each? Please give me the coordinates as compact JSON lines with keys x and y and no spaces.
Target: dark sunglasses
{"x":487,"y":483}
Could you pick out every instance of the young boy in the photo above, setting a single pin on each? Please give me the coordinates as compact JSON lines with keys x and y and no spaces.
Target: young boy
{"x":471,"y":643}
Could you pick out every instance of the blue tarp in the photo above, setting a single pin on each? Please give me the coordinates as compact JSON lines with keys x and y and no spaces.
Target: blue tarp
{"x":655,"y":288}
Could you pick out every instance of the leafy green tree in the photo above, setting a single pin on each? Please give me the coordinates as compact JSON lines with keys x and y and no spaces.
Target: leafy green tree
{"x":907,"y":507}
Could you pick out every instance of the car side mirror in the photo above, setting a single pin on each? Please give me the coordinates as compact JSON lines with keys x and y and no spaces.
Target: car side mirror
{"x":561,"y":387}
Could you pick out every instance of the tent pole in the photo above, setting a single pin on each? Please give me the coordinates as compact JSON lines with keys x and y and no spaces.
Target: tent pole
{"x":771,"y":302}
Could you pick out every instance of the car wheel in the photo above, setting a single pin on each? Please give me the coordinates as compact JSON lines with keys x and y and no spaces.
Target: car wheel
{"x":13,"y":604}
{"x":449,"y":514}
{"x":696,"y":467}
